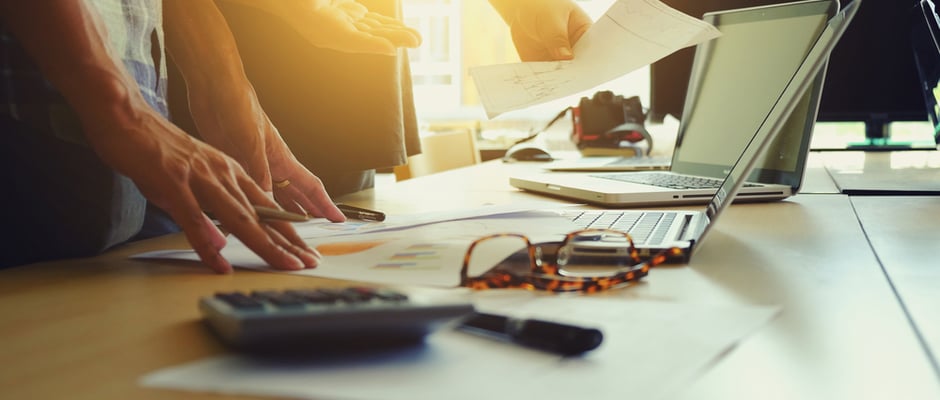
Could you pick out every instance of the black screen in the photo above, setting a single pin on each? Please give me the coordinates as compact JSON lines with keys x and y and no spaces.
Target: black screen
{"x":871,"y":75}
{"x":926,"y":40}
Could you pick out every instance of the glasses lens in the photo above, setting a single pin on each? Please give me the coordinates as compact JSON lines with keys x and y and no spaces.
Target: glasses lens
{"x":507,"y":252}
{"x":594,"y":253}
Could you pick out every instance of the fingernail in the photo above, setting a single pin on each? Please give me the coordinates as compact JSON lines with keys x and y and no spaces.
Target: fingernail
{"x":296,"y":263}
{"x":311,"y":258}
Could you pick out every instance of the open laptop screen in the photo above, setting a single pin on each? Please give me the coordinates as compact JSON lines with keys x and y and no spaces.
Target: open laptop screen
{"x":732,"y":96}
{"x":785,"y":103}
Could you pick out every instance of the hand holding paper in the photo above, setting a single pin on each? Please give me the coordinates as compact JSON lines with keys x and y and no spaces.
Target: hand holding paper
{"x":630,"y":35}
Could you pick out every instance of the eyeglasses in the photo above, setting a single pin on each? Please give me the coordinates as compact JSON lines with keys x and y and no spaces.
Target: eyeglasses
{"x":586,"y":261}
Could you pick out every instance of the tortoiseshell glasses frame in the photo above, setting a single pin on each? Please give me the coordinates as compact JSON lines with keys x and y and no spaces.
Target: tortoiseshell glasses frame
{"x":550,"y":276}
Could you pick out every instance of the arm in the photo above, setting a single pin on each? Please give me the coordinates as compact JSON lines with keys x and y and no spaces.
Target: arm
{"x":341,"y":25}
{"x":207,"y":57}
{"x":543,"y":30}
{"x":226,"y":111}
{"x":177,"y":173}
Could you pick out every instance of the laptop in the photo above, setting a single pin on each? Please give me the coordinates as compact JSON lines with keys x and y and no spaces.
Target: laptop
{"x":657,"y":230}
{"x":735,"y":82}
{"x":610,"y":163}
{"x":794,"y":141}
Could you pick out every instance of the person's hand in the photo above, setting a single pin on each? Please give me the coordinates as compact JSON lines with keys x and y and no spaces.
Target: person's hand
{"x":544,"y":30}
{"x":176,"y":172}
{"x":184,"y":176}
{"x":342,"y":25}
{"x":295,"y":187}
{"x":247,"y":134}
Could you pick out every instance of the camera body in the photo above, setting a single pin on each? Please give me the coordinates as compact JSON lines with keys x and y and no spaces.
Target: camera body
{"x":611,"y":122}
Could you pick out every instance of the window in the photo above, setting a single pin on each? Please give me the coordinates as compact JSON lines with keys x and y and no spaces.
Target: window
{"x":436,"y":65}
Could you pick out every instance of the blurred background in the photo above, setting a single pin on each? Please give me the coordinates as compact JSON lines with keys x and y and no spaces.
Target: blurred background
{"x":872,"y":98}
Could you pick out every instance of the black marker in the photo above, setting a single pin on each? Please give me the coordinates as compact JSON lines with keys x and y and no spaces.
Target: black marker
{"x":360,"y":213}
{"x":543,"y":335}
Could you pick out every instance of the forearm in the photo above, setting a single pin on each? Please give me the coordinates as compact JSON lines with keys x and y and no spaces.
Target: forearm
{"x":71,"y":48}
{"x":202,"y":45}
{"x":223,"y":104}
{"x":182,"y":176}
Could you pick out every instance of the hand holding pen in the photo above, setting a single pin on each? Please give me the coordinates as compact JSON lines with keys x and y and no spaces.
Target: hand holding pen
{"x":268,"y":213}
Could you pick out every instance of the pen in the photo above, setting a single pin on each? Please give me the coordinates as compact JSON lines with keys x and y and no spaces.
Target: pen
{"x":543,"y":335}
{"x":268,"y":213}
{"x":360,"y":213}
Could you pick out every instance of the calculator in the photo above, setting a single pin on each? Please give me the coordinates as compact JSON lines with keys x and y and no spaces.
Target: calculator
{"x":352,"y":317}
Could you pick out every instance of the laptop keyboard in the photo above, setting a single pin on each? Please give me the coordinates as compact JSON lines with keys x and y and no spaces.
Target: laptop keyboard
{"x":667,"y":180}
{"x":645,"y":227}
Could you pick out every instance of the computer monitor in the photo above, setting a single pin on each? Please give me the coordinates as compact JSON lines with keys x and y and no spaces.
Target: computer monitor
{"x":925,"y":36}
{"x":871,"y":76}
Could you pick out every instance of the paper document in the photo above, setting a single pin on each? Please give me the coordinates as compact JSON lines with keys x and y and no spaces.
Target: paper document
{"x":321,"y":227}
{"x":428,"y":255}
{"x":650,"y":350}
{"x":630,"y":35}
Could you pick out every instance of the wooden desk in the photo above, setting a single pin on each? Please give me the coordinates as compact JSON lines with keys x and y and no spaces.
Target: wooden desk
{"x":889,"y":173}
{"x":90,"y":328}
{"x":902,"y":225}
{"x":842,"y":327}
{"x":905,"y":233}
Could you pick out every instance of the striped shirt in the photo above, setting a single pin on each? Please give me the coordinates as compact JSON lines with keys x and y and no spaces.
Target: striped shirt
{"x":135,"y":32}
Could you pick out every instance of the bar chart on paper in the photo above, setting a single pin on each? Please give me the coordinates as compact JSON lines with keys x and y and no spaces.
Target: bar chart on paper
{"x":416,"y":256}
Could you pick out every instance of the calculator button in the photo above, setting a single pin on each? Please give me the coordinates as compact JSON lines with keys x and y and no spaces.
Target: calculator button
{"x":390,"y":295}
{"x":350,"y":295}
{"x":359,"y":294}
{"x":240,"y":301}
{"x":314,"y":296}
{"x":279,"y":299}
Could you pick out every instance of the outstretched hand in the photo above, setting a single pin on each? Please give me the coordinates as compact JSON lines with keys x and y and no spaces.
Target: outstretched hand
{"x":342,"y":25}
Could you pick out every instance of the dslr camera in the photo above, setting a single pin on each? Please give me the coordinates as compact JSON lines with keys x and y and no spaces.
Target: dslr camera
{"x":610,"y":124}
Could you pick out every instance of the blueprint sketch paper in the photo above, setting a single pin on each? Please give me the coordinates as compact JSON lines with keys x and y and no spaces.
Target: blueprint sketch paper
{"x":630,"y":35}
